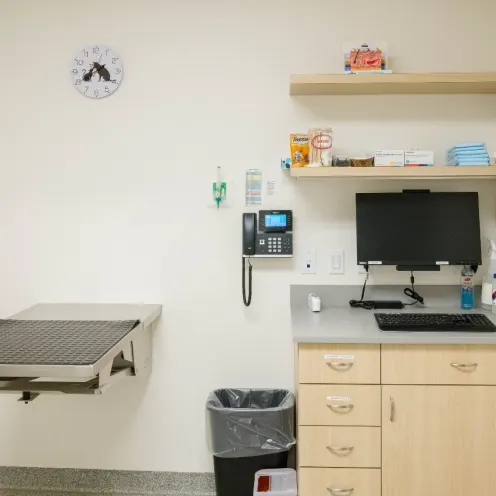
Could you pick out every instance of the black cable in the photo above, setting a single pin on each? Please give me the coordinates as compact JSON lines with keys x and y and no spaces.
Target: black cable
{"x":411,"y":293}
{"x":368,"y":305}
{"x":365,"y":282}
{"x":247,"y":302}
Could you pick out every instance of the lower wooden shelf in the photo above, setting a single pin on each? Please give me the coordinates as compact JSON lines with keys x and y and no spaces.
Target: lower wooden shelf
{"x":433,"y":172}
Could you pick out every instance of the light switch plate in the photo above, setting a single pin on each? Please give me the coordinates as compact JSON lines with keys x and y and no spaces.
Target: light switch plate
{"x":336,"y":262}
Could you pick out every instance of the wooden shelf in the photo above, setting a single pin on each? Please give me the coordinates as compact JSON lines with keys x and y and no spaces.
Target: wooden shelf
{"x":393,"y":84}
{"x":433,"y":172}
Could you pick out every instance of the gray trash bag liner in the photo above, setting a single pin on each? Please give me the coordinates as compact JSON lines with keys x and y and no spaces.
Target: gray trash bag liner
{"x":250,"y":422}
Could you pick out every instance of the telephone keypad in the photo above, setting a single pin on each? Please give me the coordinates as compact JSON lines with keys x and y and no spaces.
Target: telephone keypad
{"x":275,"y":244}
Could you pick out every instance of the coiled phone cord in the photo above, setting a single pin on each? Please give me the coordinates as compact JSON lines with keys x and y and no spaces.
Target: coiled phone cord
{"x":247,"y":302}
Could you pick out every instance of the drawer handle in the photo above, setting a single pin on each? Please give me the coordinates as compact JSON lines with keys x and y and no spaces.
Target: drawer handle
{"x":465,"y":367}
{"x":340,"y":492}
{"x":340,"y":366}
{"x":342,"y":409}
{"x":341,"y":450}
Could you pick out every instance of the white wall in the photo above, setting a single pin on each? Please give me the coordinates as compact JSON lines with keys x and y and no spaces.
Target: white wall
{"x":110,"y":200}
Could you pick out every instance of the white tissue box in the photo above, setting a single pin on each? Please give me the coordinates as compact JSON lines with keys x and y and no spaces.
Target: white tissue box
{"x":389,"y":158}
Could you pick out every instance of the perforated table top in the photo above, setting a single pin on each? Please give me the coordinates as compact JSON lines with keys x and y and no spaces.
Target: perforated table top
{"x":59,"y":342}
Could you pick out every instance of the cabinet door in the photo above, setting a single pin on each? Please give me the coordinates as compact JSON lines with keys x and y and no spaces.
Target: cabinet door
{"x":438,"y":440}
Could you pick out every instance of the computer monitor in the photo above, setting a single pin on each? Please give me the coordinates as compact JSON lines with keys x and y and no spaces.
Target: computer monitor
{"x":418,"y":230}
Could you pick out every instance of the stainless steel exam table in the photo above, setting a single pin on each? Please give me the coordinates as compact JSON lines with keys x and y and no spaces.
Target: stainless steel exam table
{"x":75,"y":348}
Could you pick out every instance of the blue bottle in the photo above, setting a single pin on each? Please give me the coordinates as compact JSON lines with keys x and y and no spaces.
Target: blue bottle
{"x":467,"y":288}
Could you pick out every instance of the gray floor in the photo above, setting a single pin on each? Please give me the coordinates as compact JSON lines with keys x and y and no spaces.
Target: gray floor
{"x":21,"y":481}
{"x":35,"y":492}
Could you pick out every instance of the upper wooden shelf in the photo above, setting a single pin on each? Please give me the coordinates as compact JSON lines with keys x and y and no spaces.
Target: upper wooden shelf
{"x":393,"y":84}
{"x":432,"y":172}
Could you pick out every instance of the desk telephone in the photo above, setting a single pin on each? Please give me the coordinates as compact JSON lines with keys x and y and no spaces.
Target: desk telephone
{"x":271,"y":238}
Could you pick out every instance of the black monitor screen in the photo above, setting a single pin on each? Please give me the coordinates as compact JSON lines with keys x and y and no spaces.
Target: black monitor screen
{"x":418,"y":228}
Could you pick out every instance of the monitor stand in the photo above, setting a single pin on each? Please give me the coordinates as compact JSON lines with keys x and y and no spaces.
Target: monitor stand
{"x":418,"y":268}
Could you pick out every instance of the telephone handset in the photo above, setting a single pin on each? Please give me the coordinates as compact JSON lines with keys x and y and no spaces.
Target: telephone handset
{"x":249,"y":234}
{"x":272,"y":238}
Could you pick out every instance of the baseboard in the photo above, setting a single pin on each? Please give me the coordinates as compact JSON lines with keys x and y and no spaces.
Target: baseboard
{"x":23,"y":481}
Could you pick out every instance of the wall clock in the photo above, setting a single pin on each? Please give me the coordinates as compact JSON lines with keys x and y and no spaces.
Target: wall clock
{"x":96,"y":71}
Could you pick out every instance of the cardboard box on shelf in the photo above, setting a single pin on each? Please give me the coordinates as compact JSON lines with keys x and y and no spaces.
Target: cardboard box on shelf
{"x":389,"y":158}
{"x":419,"y":158}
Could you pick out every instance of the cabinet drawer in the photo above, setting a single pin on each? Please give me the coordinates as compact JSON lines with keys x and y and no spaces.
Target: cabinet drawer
{"x":339,"y":482}
{"x":342,"y":404}
{"x":439,"y":364}
{"x":340,"y":447}
{"x":339,"y":364}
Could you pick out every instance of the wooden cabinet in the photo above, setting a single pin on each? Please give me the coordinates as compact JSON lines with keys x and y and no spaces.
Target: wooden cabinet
{"x":438,"y":440}
{"x":339,"y":419}
{"x":396,"y":420}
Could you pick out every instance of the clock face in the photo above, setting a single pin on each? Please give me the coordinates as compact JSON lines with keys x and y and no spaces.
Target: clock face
{"x":96,"y":71}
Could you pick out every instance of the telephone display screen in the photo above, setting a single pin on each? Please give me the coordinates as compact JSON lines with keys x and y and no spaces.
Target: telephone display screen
{"x":275,"y":220}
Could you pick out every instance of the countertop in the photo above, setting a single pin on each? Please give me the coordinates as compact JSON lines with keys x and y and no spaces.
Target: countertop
{"x":337,"y":323}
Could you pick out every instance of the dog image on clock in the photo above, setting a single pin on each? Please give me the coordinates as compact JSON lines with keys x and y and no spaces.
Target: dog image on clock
{"x":101,"y":70}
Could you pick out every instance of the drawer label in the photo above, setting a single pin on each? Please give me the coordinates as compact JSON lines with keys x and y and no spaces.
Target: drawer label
{"x":339,"y":357}
{"x":338,"y":398}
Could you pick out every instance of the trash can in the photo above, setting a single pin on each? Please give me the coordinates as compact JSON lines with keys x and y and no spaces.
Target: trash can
{"x":248,"y":430}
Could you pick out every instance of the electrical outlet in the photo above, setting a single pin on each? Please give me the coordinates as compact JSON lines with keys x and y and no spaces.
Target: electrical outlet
{"x":336,"y":262}
{"x":308,"y":262}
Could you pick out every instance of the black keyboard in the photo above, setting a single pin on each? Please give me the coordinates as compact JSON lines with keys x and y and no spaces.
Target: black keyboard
{"x":415,"y":322}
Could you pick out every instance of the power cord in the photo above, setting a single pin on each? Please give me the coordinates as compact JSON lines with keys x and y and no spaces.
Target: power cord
{"x":368,"y":305}
{"x":371,"y":305}
{"x":411,"y":293}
